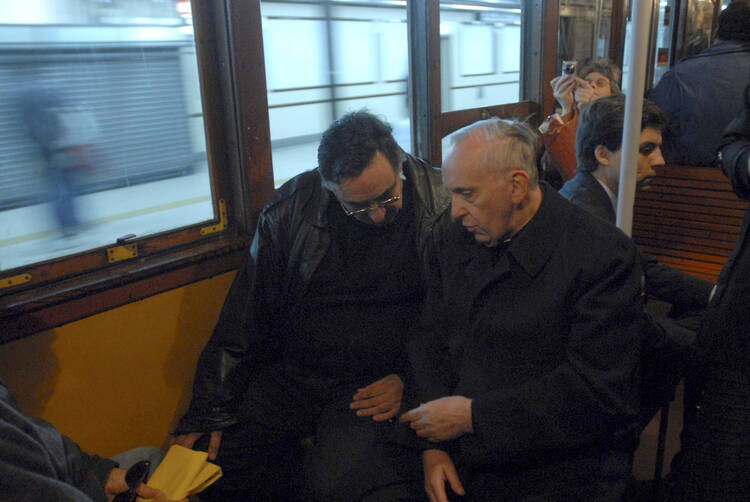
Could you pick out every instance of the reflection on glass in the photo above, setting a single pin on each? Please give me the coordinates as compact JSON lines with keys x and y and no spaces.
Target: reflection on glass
{"x":663,"y":40}
{"x":480,"y":54}
{"x":698,"y":27}
{"x":101,"y":129}
{"x":585,"y":29}
{"x":324,"y":60}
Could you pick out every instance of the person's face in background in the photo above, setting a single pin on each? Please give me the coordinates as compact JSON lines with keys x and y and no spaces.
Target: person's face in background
{"x":592,"y":87}
{"x":649,"y":157}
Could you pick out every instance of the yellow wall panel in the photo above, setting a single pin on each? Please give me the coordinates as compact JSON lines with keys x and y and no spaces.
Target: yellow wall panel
{"x":121,"y":378}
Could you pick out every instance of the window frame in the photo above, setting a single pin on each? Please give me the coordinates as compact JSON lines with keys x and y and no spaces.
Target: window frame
{"x":431,"y":124}
{"x":229,"y":44}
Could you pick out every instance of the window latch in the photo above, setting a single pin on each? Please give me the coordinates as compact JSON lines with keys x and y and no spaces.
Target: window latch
{"x":124,"y":251}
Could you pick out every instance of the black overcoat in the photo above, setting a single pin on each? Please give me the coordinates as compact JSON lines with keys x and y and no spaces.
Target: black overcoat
{"x":546,"y":343}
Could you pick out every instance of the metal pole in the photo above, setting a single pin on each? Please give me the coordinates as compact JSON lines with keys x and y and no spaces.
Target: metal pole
{"x":633,"y":111}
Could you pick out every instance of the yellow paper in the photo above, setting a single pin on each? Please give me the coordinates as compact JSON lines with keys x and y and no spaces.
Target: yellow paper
{"x":184,"y":472}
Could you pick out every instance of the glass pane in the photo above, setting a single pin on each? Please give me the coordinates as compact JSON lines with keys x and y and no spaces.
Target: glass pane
{"x":101,"y":127}
{"x":585,"y":29}
{"x":698,"y":27}
{"x":324,"y":60}
{"x":480,"y":54}
{"x":663,"y":39}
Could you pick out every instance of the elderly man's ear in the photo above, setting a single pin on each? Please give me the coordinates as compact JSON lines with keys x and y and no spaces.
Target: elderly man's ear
{"x":520,"y":182}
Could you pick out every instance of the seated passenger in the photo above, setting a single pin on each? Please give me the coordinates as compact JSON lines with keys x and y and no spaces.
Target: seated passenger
{"x":701,"y":94}
{"x":596,"y":185}
{"x":527,"y":363}
{"x":595,"y":80}
{"x":713,"y":463}
{"x":311,"y":337}
{"x":595,"y":188}
{"x":37,"y":463}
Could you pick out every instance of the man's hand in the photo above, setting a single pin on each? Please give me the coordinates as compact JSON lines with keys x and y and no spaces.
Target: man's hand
{"x":441,"y":419}
{"x":116,"y":484}
{"x":438,"y":467}
{"x":189,"y":439}
{"x":562,"y":88}
{"x":380,"y":400}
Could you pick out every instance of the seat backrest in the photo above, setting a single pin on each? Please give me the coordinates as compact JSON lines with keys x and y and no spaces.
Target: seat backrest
{"x":689,"y":218}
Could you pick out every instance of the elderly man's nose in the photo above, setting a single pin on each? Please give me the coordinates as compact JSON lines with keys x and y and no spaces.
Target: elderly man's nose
{"x":457,"y":207}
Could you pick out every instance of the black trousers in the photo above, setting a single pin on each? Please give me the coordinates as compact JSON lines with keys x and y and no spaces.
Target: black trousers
{"x":351,"y":458}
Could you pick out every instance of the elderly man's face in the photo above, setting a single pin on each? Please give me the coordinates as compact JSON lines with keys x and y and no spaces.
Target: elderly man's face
{"x":480,"y":197}
{"x":371,"y":194}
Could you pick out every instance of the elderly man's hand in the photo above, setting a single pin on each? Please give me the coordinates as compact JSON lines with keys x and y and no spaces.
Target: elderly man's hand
{"x":441,"y":419}
{"x":380,"y":400}
{"x":438,"y":468}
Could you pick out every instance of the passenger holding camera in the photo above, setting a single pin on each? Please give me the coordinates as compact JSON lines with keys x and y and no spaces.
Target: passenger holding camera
{"x":597,"y":79}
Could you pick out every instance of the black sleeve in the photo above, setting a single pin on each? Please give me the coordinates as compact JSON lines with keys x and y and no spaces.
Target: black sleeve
{"x":683,"y":291}
{"x":734,"y":150}
{"x":244,"y":336}
{"x":90,"y":472}
{"x":37,"y":463}
{"x":429,"y":353}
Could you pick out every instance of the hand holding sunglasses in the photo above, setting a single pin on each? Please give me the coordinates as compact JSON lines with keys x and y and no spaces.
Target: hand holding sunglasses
{"x":127,"y":486}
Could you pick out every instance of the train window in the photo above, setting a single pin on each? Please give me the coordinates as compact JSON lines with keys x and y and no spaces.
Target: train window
{"x":100,"y":127}
{"x":132,"y":160}
{"x":480,"y":54}
{"x":585,"y":30}
{"x":324,"y":59}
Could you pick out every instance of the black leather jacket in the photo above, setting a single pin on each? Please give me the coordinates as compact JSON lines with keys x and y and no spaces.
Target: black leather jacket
{"x":290,"y":242}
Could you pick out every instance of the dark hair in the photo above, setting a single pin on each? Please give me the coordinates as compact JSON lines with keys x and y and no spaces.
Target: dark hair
{"x":734,"y":22}
{"x":601,"y":124}
{"x":350,"y":144}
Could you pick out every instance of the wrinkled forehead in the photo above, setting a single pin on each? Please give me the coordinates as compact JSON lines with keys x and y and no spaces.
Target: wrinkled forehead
{"x":467,"y":162}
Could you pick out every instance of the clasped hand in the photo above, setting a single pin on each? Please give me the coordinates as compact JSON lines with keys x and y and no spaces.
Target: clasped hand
{"x":441,"y":419}
{"x":380,"y":400}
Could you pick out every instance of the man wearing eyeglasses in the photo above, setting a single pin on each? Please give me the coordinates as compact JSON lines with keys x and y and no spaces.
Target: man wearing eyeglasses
{"x":311,"y":337}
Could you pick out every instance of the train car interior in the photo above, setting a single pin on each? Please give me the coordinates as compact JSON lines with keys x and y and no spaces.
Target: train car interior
{"x":184,"y":116}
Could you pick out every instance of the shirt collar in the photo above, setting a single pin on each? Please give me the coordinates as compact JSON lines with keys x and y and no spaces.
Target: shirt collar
{"x":612,"y":196}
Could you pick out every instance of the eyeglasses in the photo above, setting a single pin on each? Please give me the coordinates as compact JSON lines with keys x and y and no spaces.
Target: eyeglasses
{"x":372,"y":206}
{"x":136,"y":475}
{"x":598,"y":82}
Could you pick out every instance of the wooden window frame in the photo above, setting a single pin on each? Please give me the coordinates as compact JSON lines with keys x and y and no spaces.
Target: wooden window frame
{"x":229,"y":45}
{"x":538,"y":49}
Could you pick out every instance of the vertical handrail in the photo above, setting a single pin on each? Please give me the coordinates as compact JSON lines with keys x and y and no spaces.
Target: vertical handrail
{"x":636,"y":82}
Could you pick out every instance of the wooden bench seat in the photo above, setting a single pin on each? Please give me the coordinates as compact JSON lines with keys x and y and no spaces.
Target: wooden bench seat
{"x":689,"y":218}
